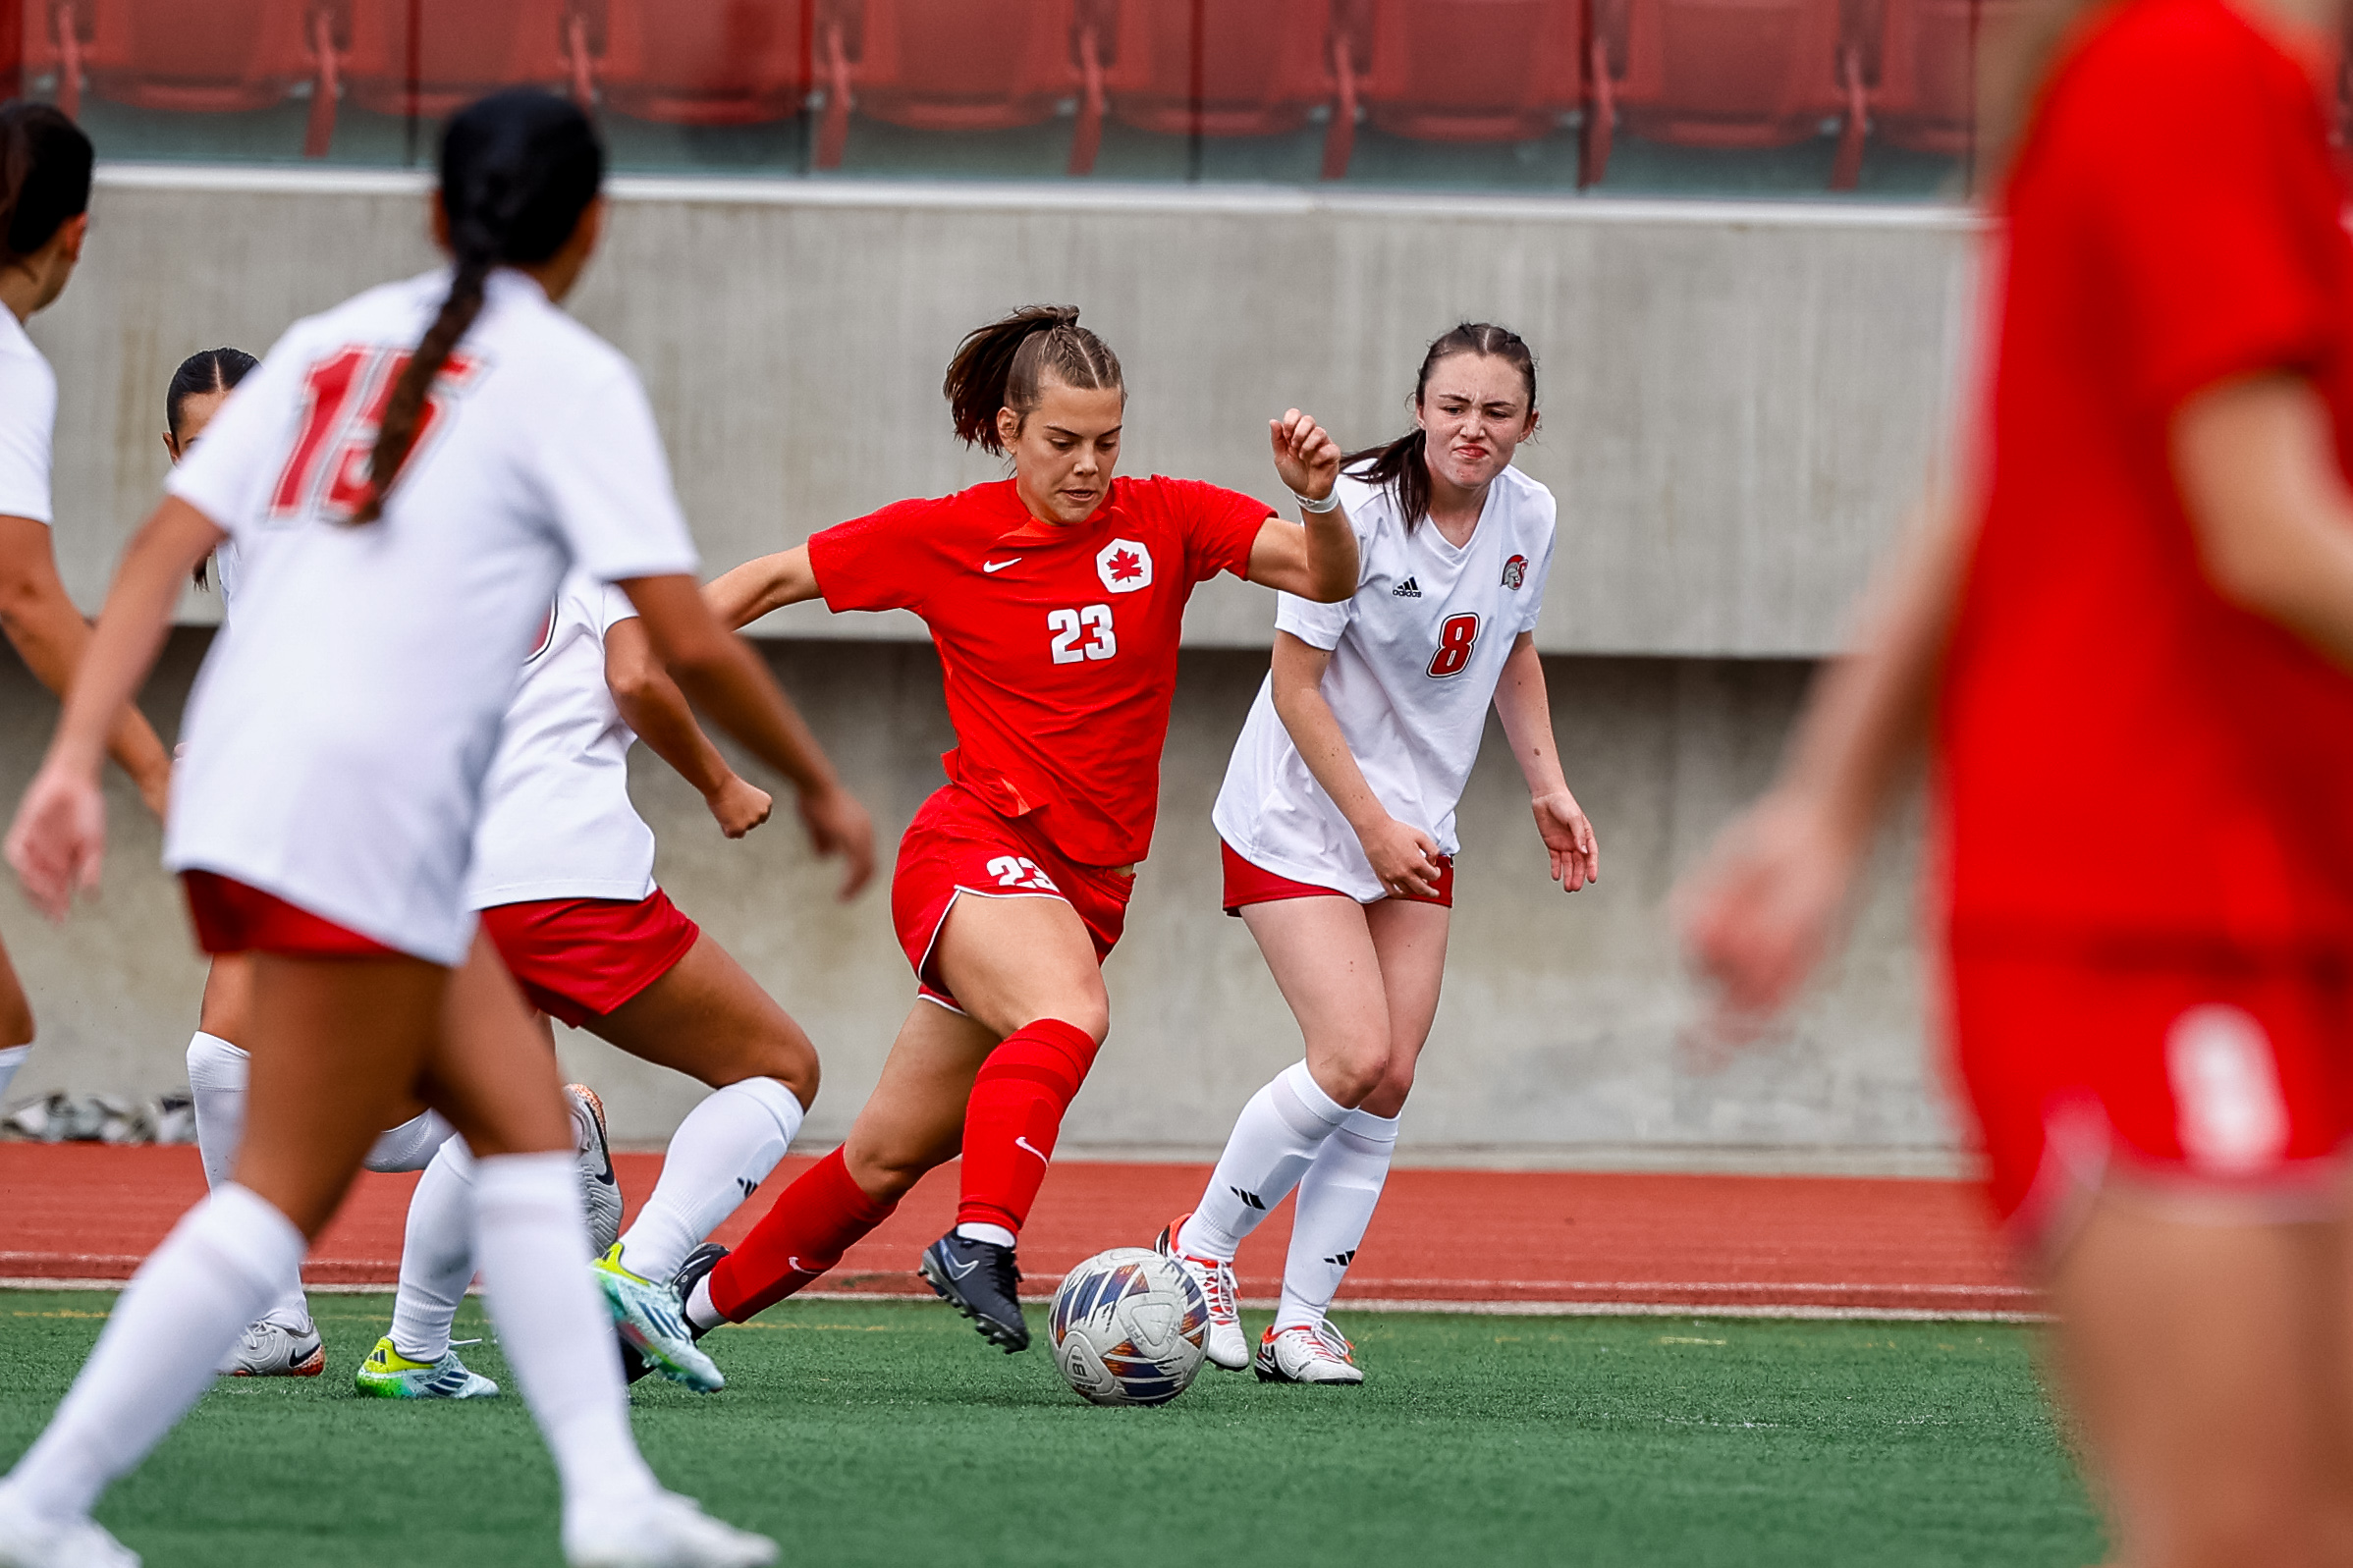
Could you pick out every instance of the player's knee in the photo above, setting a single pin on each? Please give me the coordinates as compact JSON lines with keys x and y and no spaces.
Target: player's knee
{"x":784,"y":1055}
{"x":884,"y":1174}
{"x":1386,"y":1099}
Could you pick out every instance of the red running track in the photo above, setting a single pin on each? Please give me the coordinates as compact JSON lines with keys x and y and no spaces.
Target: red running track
{"x":1522,"y":1239}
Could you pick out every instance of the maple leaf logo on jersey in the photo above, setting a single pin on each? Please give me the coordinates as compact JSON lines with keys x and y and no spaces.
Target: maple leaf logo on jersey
{"x":1123,"y":566}
{"x":1515,"y":573}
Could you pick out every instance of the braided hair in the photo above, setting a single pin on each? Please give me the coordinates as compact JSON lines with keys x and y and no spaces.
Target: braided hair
{"x":1006,"y":364}
{"x":207,"y":370}
{"x":517,"y":169}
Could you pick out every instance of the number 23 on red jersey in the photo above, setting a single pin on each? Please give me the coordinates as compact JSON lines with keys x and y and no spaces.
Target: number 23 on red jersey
{"x":343,"y":399}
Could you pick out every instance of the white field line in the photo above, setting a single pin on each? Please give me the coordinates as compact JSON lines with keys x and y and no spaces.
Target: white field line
{"x":1520,"y":1308}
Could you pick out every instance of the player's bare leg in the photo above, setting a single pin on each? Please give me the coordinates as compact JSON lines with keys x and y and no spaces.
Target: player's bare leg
{"x":16,"y":1023}
{"x":2203,"y":1352}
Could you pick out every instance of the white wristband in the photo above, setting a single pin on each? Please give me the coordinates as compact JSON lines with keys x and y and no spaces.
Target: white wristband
{"x":1329,"y":503}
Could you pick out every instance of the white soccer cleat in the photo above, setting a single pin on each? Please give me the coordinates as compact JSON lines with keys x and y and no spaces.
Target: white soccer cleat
{"x":663,"y":1531}
{"x":1318,"y":1355}
{"x":281,"y":1344}
{"x":651,"y":1320}
{"x":30,"y":1539}
{"x":600,"y":1190}
{"x":1226,"y":1346}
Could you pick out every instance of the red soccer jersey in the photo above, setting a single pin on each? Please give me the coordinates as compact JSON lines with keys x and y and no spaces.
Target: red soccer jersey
{"x":1059,"y":644}
{"x":2129,"y":762}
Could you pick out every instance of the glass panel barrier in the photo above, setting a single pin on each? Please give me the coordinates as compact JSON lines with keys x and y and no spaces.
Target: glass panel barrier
{"x":1868,"y":99}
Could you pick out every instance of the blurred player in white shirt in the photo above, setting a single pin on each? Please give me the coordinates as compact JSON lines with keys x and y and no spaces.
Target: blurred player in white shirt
{"x":1338,"y":822}
{"x":429,"y":460}
{"x":45,"y":166}
{"x":564,"y":877}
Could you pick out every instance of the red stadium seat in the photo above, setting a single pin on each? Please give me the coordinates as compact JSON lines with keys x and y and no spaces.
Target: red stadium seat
{"x":1468,"y":70}
{"x":12,"y":49}
{"x":1922,"y":69}
{"x":432,"y":57}
{"x":958,"y":65}
{"x":708,"y":62}
{"x":1725,"y":74}
{"x":214,"y":58}
{"x":1229,"y":68}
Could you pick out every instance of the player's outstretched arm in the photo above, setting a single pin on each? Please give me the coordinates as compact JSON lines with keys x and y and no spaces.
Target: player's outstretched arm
{"x":2272,"y":516}
{"x":720,"y":674}
{"x":1402,"y":856}
{"x":752,"y":590}
{"x":1316,"y":557}
{"x":59,"y":839}
{"x":1526,"y":710}
{"x":51,"y":636}
{"x":652,"y":705}
{"x":1759,"y":912}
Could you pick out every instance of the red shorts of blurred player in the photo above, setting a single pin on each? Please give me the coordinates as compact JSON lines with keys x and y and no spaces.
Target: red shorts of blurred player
{"x":233,"y":917}
{"x":580,"y":959}
{"x":1250,"y":884}
{"x":960,"y":847}
{"x":2190,"y":1078}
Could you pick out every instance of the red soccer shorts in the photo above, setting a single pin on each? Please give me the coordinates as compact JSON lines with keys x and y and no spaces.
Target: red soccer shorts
{"x":958,"y":846}
{"x":580,"y":958}
{"x":231,"y":917}
{"x":1250,"y":884}
{"x":2216,"y":1079}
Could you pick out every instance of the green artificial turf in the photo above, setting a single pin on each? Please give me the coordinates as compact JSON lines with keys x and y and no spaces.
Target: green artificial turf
{"x":889,"y":1434}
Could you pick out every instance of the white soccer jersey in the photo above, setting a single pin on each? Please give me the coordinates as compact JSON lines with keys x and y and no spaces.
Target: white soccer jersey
{"x":339,"y":730}
{"x":557,"y":822}
{"x":27,"y":421}
{"x":1415,"y":657}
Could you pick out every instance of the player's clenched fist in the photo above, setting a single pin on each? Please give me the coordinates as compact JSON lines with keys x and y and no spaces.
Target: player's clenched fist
{"x":1305,"y":454}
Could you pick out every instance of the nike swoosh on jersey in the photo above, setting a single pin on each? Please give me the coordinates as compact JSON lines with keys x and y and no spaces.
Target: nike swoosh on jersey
{"x":1000,"y":566}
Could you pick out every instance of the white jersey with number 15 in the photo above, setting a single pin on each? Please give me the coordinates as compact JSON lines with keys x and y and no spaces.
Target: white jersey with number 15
{"x":1415,"y":657}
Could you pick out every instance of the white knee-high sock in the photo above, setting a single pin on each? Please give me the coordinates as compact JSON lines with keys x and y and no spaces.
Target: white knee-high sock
{"x":216,"y":1082}
{"x":10,"y":1060}
{"x":178,"y":1316}
{"x":437,"y":1254}
{"x":553,"y":1325}
{"x":410,"y":1145}
{"x":1336,"y":1198}
{"x":724,"y":1149}
{"x":1274,"y":1141}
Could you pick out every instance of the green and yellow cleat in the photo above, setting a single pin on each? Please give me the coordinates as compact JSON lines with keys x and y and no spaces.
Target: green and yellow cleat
{"x":386,"y":1373}
{"x":651,"y":1320}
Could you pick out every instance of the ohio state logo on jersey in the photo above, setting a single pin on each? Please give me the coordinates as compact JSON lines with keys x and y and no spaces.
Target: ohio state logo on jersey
{"x":1123,"y":566}
{"x":1515,"y":573}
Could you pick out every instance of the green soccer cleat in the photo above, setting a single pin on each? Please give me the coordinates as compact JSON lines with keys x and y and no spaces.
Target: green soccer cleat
{"x":652,"y":1321}
{"x":386,"y":1373}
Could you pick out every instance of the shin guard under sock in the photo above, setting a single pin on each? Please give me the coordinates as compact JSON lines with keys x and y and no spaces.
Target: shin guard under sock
{"x":1016,"y":1116}
{"x":812,"y":1222}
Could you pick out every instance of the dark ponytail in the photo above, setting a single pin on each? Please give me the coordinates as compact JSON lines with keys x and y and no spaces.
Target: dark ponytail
{"x":1006,"y":364}
{"x":517,"y":169}
{"x":1403,"y":464}
{"x":45,"y":164}
{"x":205,"y":370}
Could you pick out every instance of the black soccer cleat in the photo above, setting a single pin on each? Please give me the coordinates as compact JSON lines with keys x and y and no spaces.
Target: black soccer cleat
{"x":700,"y":1262}
{"x":978,"y":1280}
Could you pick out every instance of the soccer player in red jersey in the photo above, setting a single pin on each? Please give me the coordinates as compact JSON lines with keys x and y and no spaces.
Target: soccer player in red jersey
{"x":1055,"y":598}
{"x":2130,"y":642}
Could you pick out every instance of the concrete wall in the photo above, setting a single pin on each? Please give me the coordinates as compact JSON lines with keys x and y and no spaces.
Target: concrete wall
{"x":1739,"y":402}
{"x":1560,"y":1039}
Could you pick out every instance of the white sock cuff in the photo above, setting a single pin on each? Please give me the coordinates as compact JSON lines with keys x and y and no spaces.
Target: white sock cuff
{"x":1310,"y":1096}
{"x":524,"y":1181}
{"x":215,"y":1064}
{"x":410,"y":1145}
{"x":245,"y":1232}
{"x":14,"y":1056}
{"x":460,"y":1162}
{"x":1371,"y":1128}
{"x":773,"y":1097}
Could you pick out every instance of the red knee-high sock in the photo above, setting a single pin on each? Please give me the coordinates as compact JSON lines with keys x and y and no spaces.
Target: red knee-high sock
{"x":1014,"y":1115}
{"x":811,"y":1225}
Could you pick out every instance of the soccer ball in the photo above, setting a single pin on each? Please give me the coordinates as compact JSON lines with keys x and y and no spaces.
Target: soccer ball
{"x":1127,"y":1328}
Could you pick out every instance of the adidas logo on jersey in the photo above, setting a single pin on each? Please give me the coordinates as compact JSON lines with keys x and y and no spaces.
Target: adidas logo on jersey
{"x":1408,"y":589}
